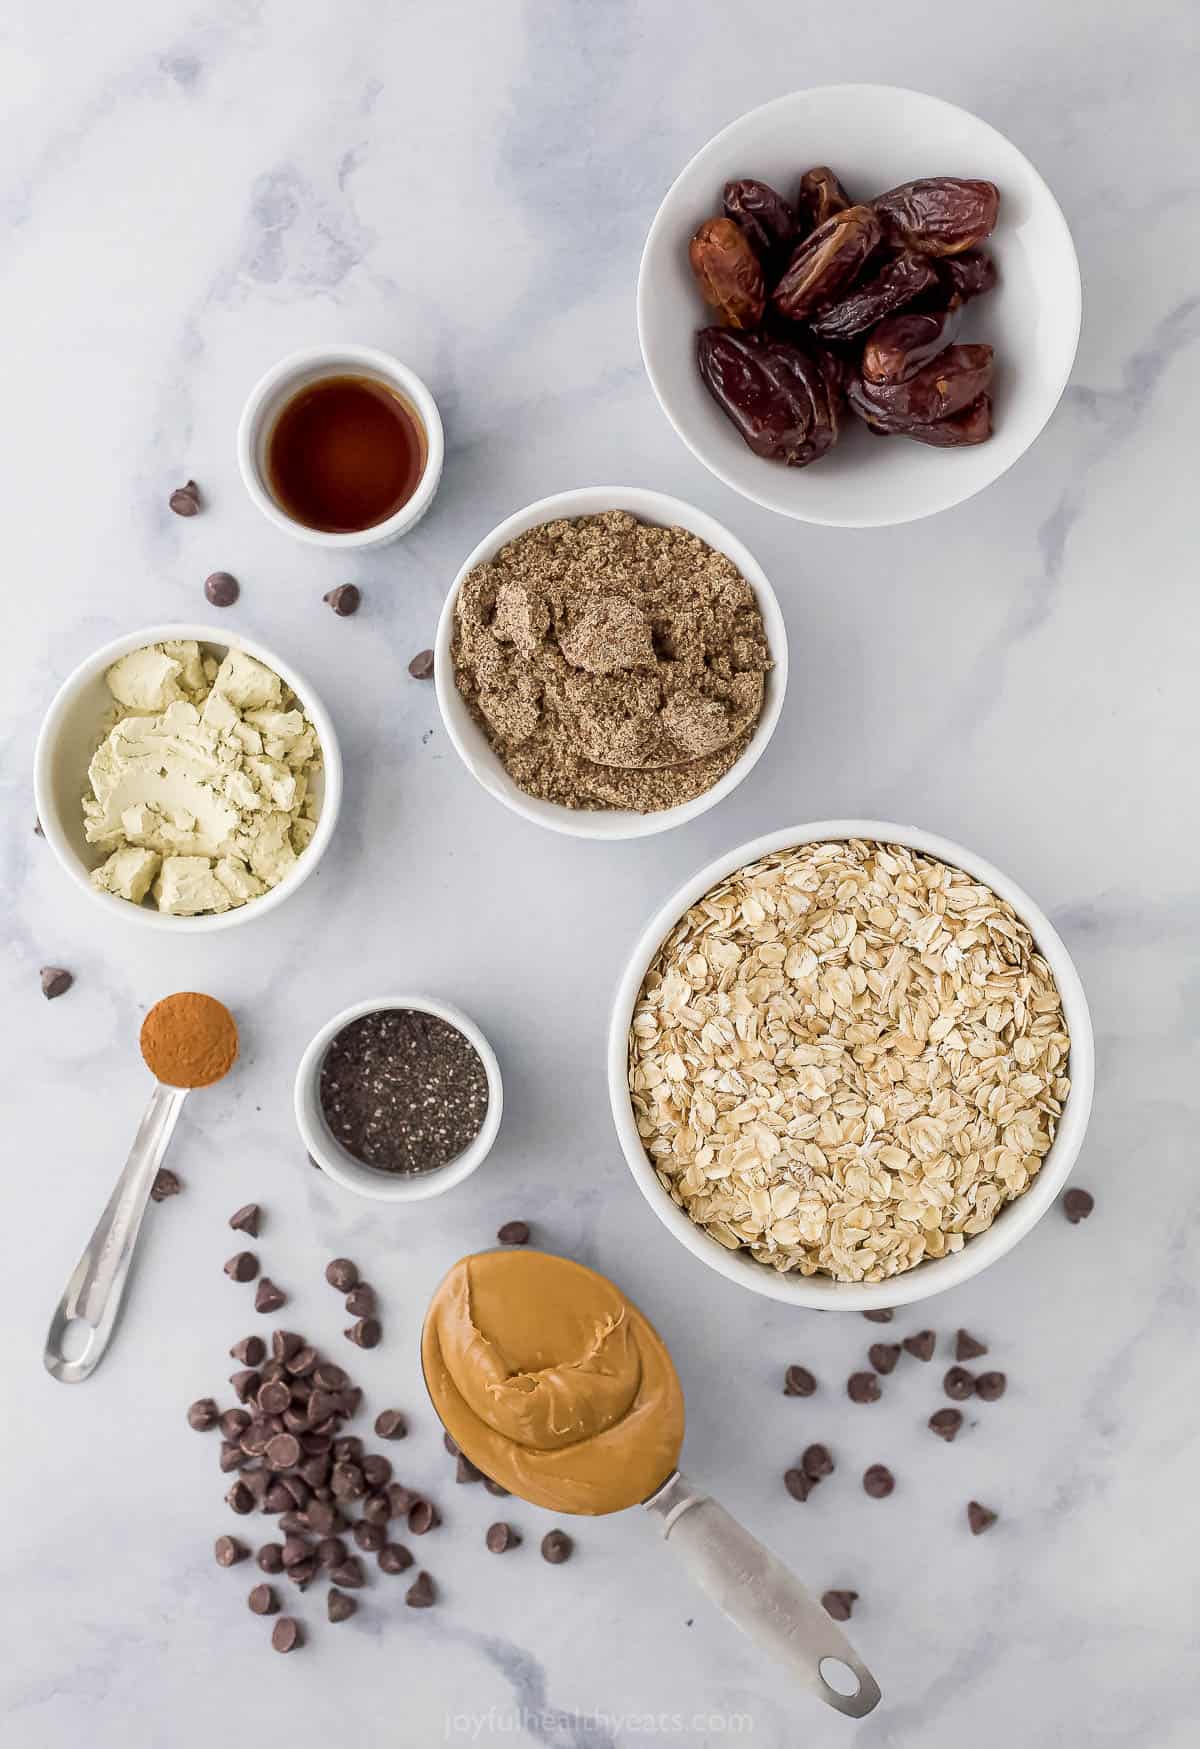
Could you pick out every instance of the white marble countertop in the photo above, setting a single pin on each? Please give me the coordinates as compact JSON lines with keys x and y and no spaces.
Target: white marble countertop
{"x":188,"y":192}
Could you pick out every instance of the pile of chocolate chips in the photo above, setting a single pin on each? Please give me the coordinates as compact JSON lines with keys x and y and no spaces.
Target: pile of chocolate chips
{"x":878,"y":1482}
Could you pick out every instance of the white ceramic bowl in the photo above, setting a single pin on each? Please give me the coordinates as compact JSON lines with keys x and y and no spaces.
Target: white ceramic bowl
{"x":874,"y":137}
{"x":271,"y":393}
{"x":340,"y":1165}
{"x":935,"y":1275}
{"x":468,"y":738}
{"x":71,"y":730}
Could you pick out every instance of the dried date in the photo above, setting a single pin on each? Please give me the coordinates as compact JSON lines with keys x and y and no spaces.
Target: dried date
{"x":958,"y":376}
{"x":939,"y":215}
{"x":968,"y":275}
{"x":819,"y":196}
{"x":826,"y":263}
{"x":783,"y":401}
{"x":895,"y":285}
{"x":972,"y":425}
{"x":768,"y":220}
{"x":728,"y":272}
{"x":901,"y":345}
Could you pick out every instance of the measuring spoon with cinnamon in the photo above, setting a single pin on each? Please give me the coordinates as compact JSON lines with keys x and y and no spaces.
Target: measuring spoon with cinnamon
{"x":559,"y":1389}
{"x":188,"y":1040}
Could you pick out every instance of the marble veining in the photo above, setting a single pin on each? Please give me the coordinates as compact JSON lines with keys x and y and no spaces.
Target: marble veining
{"x":185,"y":194}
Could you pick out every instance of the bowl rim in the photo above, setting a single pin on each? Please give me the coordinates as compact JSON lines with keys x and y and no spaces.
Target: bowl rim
{"x":336,"y":1163}
{"x":1056,"y":382}
{"x":382,"y":364}
{"x":934,"y":1275}
{"x":617,"y":823}
{"x":45,"y":752}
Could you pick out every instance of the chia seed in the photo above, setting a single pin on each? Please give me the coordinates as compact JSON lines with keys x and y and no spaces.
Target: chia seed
{"x":403,"y":1091}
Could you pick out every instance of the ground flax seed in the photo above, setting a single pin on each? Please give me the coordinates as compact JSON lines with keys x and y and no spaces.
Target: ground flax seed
{"x":611,"y":663}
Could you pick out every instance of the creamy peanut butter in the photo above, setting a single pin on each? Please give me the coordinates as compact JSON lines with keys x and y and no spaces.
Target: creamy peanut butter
{"x":552,"y":1382}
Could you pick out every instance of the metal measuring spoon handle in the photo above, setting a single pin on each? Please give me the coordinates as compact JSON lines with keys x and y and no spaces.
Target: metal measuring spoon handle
{"x":760,"y":1595}
{"x":96,"y":1288}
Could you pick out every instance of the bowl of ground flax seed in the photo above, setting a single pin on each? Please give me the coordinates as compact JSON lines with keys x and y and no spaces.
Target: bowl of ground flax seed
{"x":610,"y":662}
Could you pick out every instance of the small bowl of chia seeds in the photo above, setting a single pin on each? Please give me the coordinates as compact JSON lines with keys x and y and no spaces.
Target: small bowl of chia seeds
{"x":399,"y":1098}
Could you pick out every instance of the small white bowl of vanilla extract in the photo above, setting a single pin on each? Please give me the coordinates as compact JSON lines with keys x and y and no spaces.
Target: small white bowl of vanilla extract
{"x":341,"y":446}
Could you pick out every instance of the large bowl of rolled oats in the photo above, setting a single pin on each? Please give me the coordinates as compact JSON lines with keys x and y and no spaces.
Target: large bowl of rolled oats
{"x":850,"y":1064}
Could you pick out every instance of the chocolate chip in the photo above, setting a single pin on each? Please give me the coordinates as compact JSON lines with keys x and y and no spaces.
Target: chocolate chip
{"x":268,"y":1297}
{"x":390,"y":1424}
{"x":246,"y":1384}
{"x":878,"y":1481}
{"x":839,"y":1604}
{"x":221,"y":589}
{"x":946,"y":1423}
{"x":240,"y":1499}
{"x":556,"y":1547}
{"x":332,"y":1551}
{"x":423,"y":1516}
{"x":321,"y":1405}
{"x":883,"y":1316}
{"x":277,"y":1499}
{"x":377,"y":1470}
{"x":234,"y":1422}
{"x":501,"y":1536}
{"x":863,"y":1387}
{"x":347,"y":1482}
{"x":243,"y":1266}
{"x":817,"y":1462}
{"x":421,"y":668}
{"x":980,"y":1518}
{"x":295,"y":1549}
{"x":270,"y":1558}
{"x":798,"y":1485}
{"x":283,"y":1451}
{"x":338,"y":1606}
{"x":883,"y":1355}
{"x":968,"y":1347}
{"x":400,"y":1499}
{"x":342,"y":1274}
{"x":369,"y":1537}
{"x":246,"y":1219}
{"x":922,"y":1345}
{"x":303,"y":1573}
{"x":296,"y":1523}
{"x":450,"y":1444}
{"x":344,"y":600}
{"x":347,"y":1450}
{"x":273,"y":1399}
{"x":394,"y":1558}
{"x":232,"y":1457}
{"x":349,"y":1573}
{"x":366,"y":1333}
{"x":329,"y":1376}
{"x":263,"y":1600}
{"x":229,"y":1551}
{"x":287,"y":1634}
{"x":514,"y":1233}
{"x":798,"y":1382}
{"x":300,"y":1365}
{"x":421,"y":1594}
{"x":465,"y":1471}
{"x":1077,"y":1205}
{"x":56,"y":981}
{"x":494,"y":1487}
{"x":990,"y":1386}
{"x":360,"y":1301}
{"x":185,"y":500}
{"x":958,"y":1384}
{"x":203,"y":1414}
{"x":251,"y":1351}
{"x":165,"y":1184}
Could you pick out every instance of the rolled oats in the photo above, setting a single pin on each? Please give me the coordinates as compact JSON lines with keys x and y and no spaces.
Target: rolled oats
{"x":846,"y":1058}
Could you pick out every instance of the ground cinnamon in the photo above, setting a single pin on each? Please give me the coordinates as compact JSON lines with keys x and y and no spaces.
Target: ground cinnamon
{"x":189,"y":1040}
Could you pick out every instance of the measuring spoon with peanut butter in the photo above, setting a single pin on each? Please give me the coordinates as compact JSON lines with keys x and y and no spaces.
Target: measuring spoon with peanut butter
{"x":557,"y":1387}
{"x":188,"y":1040}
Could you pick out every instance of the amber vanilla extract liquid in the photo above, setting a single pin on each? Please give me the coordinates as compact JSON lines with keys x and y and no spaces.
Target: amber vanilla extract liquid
{"x":344,"y":454}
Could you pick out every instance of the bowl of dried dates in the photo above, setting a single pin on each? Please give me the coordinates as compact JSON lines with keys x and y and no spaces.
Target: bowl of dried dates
{"x":859,"y":305}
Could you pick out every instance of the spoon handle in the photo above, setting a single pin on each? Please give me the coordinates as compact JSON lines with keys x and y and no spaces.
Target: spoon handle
{"x":761,"y":1596}
{"x":97,"y":1286}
